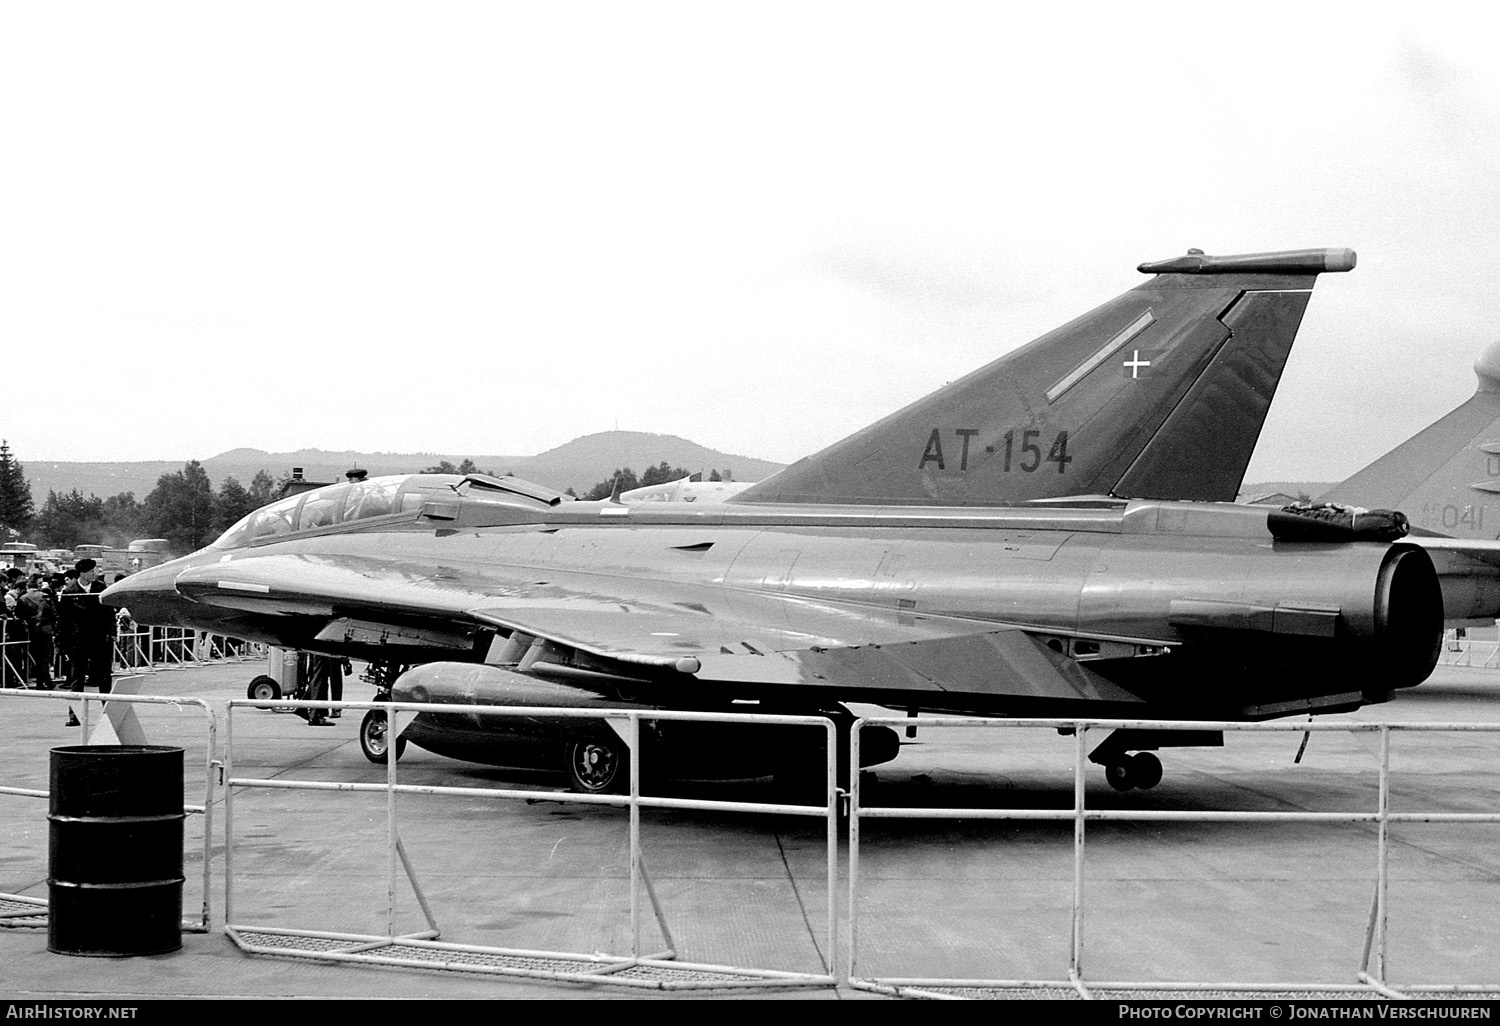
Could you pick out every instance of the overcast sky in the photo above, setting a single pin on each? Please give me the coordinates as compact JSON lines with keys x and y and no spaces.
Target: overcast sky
{"x":491,"y":228}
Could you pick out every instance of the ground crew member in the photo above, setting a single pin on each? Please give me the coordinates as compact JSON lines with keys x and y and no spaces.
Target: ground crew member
{"x":40,"y":613}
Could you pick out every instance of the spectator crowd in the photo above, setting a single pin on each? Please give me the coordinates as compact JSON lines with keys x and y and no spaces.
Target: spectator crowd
{"x":59,"y":621}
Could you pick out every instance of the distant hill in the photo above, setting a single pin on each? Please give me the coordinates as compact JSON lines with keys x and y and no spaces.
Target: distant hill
{"x":579,"y":464}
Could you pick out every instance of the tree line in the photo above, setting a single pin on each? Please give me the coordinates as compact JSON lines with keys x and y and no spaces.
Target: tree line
{"x":659,"y":474}
{"x":185,"y":509}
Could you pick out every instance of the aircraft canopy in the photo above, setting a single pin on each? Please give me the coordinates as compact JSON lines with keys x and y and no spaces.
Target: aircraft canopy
{"x":337,"y":504}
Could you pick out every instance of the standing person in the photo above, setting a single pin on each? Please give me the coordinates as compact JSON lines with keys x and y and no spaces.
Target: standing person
{"x":40,"y":613}
{"x":88,"y":630}
{"x":13,"y":632}
{"x":101,"y":639}
{"x":68,"y":621}
{"x":70,"y":627}
{"x":325,"y":678}
{"x":13,"y":578}
{"x":125,"y":627}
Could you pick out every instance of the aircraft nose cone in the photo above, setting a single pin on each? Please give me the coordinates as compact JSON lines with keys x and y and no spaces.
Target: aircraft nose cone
{"x":1487,"y":367}
{"x":142,"y":582}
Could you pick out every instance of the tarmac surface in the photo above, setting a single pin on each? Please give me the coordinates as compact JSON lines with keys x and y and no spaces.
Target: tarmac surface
{"x":939,"y":896}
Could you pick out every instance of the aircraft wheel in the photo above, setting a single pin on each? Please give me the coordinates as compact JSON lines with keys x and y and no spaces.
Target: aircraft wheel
{"x":1118,"y":773}
{"x":374,"y":737}
{"x":598,"y":766}
{"x":263,"y":689}
{"x":1145,"y":770}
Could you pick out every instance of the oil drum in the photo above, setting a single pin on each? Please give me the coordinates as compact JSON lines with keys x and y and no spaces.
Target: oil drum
{"x":114,"y":850}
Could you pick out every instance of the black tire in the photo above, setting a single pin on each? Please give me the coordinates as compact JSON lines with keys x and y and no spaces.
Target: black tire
{"x":372,"y":737}
{"x":1145,"y":770}
{"x":1118,"y":773}
{"x":597,"y":765}
{"x":263,"y":689}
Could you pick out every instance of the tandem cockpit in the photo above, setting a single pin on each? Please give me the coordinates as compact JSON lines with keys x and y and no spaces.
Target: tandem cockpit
{"x":359,"y":504}
{"x":377,"y":500}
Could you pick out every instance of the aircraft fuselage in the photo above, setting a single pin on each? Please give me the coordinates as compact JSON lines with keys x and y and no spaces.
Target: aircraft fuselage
{"x":1196,"y":603}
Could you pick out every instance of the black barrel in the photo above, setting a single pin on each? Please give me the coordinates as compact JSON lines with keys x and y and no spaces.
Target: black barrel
{"x":114,"y":850}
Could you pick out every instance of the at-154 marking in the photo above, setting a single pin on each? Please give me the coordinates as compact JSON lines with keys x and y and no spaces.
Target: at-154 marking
{"x":1026,"y":457}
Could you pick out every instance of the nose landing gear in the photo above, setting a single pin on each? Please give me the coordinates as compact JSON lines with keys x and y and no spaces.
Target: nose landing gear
{"x":375,"y":739}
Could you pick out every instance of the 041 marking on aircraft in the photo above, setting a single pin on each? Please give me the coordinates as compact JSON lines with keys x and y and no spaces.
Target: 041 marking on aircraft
{"x":1468,"y":519}
{"x":1435,"y":475}
{"x":1125,"y":584}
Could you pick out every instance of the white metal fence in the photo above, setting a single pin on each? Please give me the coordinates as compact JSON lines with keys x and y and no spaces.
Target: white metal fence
{"x":1477,"y":652}
{"x":659,"y":970}
{"x":20,"y":908}
{"x":1371,"y":972}
{"x":846,"y":934}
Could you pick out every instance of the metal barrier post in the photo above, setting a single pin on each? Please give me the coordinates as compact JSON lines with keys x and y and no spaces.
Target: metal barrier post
{"x":1075,"y":967}
{"x":391,"y":837}
{"x":1383,"y":876}
{"x":632,"y":742}
{"x":228,"y":762}
{"x":831,"y":837}
{"x":853,"y":894}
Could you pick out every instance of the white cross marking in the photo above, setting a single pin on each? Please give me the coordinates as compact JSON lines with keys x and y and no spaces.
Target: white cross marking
{"x":1135,"y":363}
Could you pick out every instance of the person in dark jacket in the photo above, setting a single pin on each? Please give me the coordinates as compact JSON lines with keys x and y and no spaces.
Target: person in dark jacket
{"x":39,"y":612}
{"x":87,"y":629}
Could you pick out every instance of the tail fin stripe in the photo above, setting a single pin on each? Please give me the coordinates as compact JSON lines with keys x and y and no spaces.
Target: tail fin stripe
{"x":1109,"y":348}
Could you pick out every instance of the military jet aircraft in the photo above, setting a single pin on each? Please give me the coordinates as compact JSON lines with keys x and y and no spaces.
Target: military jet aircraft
{"x":1443,"y":479}
{"x":1051,"y":535}
{"x":687,"y":489}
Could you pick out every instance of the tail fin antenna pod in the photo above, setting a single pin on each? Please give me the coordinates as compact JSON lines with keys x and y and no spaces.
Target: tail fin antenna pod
{"x":1159,"y":393}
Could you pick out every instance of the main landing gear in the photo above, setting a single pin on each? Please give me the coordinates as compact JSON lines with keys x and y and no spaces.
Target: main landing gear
{"x":1128,"y":767}
{"x":598,"y":765}
{"x":1142,"y":770}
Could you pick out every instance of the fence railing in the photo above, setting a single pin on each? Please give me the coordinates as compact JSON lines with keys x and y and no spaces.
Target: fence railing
{"x":1478,"y":652}
{"x":91,"y":705}
{"x":1370,"y":972}
{"x":659,"y":970}
{"x":141,"y":650}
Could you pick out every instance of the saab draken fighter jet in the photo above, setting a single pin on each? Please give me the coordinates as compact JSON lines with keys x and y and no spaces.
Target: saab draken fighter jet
{"x":1051,"y":535}
{"x":1446,"y":478}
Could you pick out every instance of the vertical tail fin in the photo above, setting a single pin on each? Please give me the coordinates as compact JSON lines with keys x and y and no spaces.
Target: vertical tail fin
{"x":1446,"y":478}
{"x":1159,"y":393}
